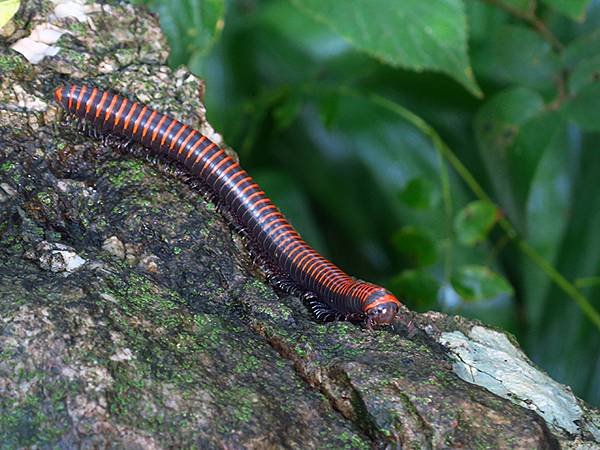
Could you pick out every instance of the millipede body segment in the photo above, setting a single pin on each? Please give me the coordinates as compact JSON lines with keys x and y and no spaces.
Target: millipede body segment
{"x":331,"y":292}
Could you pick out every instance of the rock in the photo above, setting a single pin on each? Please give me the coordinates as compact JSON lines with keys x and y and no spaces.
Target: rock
{"x":168,"y":336}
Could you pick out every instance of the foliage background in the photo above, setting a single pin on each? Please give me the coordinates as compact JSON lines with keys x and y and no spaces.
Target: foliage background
{"x":446,"y":149}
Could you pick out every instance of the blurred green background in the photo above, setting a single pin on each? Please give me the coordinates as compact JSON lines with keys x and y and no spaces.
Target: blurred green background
{"x":447,"y":149}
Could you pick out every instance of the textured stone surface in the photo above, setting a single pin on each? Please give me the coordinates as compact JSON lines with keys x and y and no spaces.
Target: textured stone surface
{"x":132,"y":317}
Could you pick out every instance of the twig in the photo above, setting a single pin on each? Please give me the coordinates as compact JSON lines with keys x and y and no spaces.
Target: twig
{"x":532,"y":19}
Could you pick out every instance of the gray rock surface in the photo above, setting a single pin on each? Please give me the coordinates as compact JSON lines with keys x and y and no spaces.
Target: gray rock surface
{"x":132,"y":317}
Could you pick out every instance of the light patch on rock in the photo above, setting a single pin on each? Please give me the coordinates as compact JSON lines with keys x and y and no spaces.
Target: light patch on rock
{"x":56,"y":257}
{"x":6,"y":192}
{"x":38,"y":44}
{"x":114,"y":246}
{"x":488,"y":358}
{"x":70,"y":8}
{"x":149,"y":263}
{"x":123,"y":354}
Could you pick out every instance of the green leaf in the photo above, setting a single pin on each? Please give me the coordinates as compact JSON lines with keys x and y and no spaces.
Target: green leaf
{"x":543,"y":171}
{"x":537,"y":141}
{"x":416,"y":246}
{"x":8,"y":8}
{"x":582,"y":49}
{"x":475,"y":283}
{"x":414,"y":34}
{"x":287,"y":112}
{"x":328,"y":108}
{"x":574,"y":9}
{"x":585,"y":73}
{"x":583,"y":108}
{"x":497,"y":127}
{"x":191,"y":26}
{"x":521,"y":5}
{"x":559,"y":327}
{"x":419,"y":193}
{"x":515,"y":54}
{"x":474,"y":221}
{"x":417,"y":288}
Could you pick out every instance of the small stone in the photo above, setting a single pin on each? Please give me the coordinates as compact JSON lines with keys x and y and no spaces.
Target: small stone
{"x":56,"y":257}
{"x":149,"y":263}
{"x":114,"y":246}
{"x":123,"y":354}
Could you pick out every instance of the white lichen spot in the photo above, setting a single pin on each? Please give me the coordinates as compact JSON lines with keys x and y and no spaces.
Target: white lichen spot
{"x":114,"y":246}
{"x":123,"y":354}
{"x":6,"y":192}
{"x":70,"y":8}
{"x":106,"y":67}
{"x":488,"y":358}
{"x":56,"y":257}
{"x":38,"y":44}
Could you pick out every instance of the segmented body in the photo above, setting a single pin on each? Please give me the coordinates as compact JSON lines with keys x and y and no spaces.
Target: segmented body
{"x":270,"y":233}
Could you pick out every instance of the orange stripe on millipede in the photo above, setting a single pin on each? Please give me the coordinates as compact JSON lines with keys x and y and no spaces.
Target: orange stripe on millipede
{"x":100,"y":104}
{"x":274,"y":230}
{"x":90,"y":101}
{"x":317,"y":268}
{"x":240,"y":181}
{"x":186,"y":140}
{"x":260,"y":202}
{"x":231,"y":167}
{"x":321,"y":273}
{"x":167,"y":131}
{"x":271,"y":214}
{"x":299,"y":267}
{"x":254,"y":194}
{"x":237,"y":184}
{"x":119,"y":113}
{"x":211,"y":159}
{"x":157,"y":128}
{"x":264,"y":208}
{"x":293,"y":233}
{"x":138,"y":119}
{"x":380,"y":301}
{"x":202,"y":154}
{"x":250,"y":186}
{"x":305,"y":259}
{"x":177,"y":136}
{"x":363,"y":292}
{"x":208,"y":148}
{"x":324,"y":278}
{"x":134,"y":106}
{"x":304,"y":250}
{"x":290,"y":235}
{"x":265,"y":227}
{"x":248,"y":201}
{"x":148,"y":124}
{"x":274,"y":222}
{"x":80,"y":97}
{"x":193,"y":149}
{"x":110,"y":108}
{"x":313,"y":266}
{"x":71,"y":92}
{"x":285,"y":249}
{"x":294,"y":250}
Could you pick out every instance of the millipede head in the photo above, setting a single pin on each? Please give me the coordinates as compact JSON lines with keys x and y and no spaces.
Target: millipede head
{"x":61,"y":97}
{"x":382,"y":309}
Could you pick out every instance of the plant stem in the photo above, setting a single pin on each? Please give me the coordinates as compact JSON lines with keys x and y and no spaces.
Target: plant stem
{"x":568,"y":288}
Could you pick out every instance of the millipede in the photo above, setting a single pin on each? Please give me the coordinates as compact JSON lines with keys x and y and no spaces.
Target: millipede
{"x":329,"y":292}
